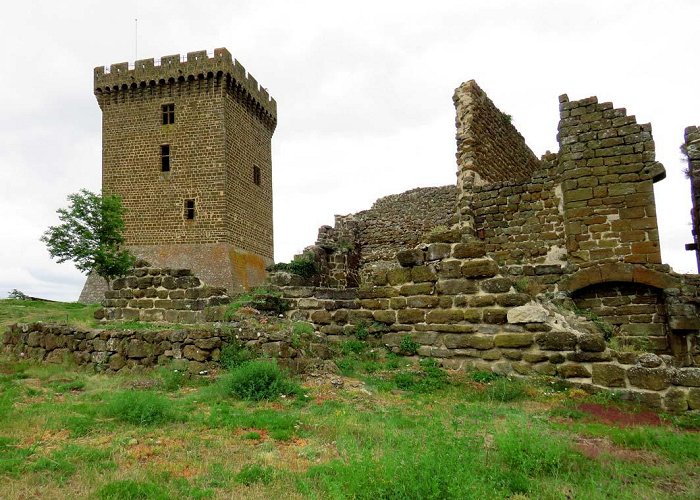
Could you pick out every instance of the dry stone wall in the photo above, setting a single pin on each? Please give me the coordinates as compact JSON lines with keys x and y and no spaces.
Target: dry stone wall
{"x":193,"y":350}
{"x":153,"y":294}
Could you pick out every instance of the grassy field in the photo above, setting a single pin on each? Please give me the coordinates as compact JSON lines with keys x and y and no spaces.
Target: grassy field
{"x":382,"y":428}
{"x":29,"y":311}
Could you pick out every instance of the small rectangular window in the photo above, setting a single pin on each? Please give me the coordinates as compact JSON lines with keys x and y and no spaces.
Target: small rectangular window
{"x":189,"y":209}
{"x":256,"y":175}
{"x":165,"y":158}
{"x":168,"y":113}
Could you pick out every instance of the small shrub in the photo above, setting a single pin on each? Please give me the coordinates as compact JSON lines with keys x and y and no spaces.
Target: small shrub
{"x":251,"y":435}
{"x":260,"y":380}
{"x":430,"y":378}
{"x":353,"y":346}
{"x":408,"y":346}
{"x":141,"y":408}
{"x":17,"y":295}
{"x":251,"y":474}
{"x":304,"y":266}
{"x":361,"y":331}
{"x":302,"y":328}
{"x":171,"y":380}
{"x":483,"y":377}
{"x":234,"y":355}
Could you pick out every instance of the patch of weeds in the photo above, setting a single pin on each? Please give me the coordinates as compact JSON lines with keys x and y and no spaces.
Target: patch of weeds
{"x":603,"y":326}
{"x":353,"y":346}
{"x":567,"y":412}
{"x":217,"y":476}
{"x":141,"y":408}
{"x":13,"y":457}
{"x":528,"y":451}
{"x":310,"y":453}
{"x":254,"y":473}
{"x":260,"y":380}
{"x":676,"y":445}
{"x":252,"y":435}
{"x":429,"y":378}
{"x":281,"y":426}
{"x":171,"y":380}
{"x":607,"y":398}
{"x":234,"y":354}
{"x":361,"y":331}
{"x":347,"y":365}
{"x":483,"y":377}
{"x":78,"y":425}
{"x":128,"y":489}
{"x":504,"y":389}
{"x":690,"y":421}
{"x":408,"y":346}
{"x":62,"y":386}
{"x":630,"y":344}
{"x":392,"y":361}
{"x":65,"y":462}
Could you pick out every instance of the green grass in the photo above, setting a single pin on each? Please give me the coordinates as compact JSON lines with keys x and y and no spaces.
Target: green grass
{"x":31,"y":311}
{"x":67,"y":432}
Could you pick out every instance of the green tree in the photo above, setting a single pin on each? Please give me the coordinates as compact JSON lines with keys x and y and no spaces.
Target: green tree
{"x":90,"y":234}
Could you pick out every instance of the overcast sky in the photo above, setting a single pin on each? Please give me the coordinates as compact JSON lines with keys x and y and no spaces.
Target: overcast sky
{"x":364,"y":92}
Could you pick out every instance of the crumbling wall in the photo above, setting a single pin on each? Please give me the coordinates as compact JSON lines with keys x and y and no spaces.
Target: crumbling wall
{"x":489,"y":148}
{"x":156,"y":294}
{"x":608,"y":167}
{"x":691,"y":147}
{"x":522,"y":222}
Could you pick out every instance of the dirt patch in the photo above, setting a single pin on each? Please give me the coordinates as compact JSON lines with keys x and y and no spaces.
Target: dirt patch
{"x":615,"y":416}
{"x":593,"y":448}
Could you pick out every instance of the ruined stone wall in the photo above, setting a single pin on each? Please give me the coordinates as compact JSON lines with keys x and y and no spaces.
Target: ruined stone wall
{"x":370,"y":239}
{"x":192,"y":350}
{"x":522,"y":222}
{"x":691,"y":147}
{"x":452,"y":301}
{"x":608,"y":167}
{"x":155,"y":294}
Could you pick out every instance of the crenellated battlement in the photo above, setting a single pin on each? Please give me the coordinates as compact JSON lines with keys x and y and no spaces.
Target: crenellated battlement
{"x":173,"y":69}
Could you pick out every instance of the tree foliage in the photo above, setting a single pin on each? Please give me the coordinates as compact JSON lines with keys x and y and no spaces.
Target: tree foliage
{"x":90,"y":234}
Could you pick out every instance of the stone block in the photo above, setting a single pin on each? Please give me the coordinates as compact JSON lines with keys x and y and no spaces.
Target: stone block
{"x":410,"y":316}
{"x":138,"y":349}
{"x":654,"y":379}
{"x":449,"y":269}
{"x":384,"y":316}
{"x":649,"y":360}
{"x":688,"y":377}
{"x":437,"y":251}
{"x":592,"y":342}
{"x":398,"y":276}
{"x":545,"y":369}
{"x":513,"y":339}
{"x":556,"y":341}
{"x":694,"y":399}
{"x":676,"y":400}
{"x":529,"y":313}
{"x":494,"y":316}
{"x":457,"y":341}
{"x":321,"y":317}
{"x":587,"y":357}
{"x":608,"y":375}
{"x":416,"y":289}
{"x":479,"y":268}
{"x":410,"y":258}
{"x":496,"y":285}
{"x":421,"y":274}
{"x":444,"y":316}
{"x":455,"y":286}
{"x":512,"y":300}
{"x":573,"y":370}
{"x":422,"y":301}
{"x":472,"y":315}
{"x":187,"y":317}
{"x":469,"y":250}
{"x":535,"y":357}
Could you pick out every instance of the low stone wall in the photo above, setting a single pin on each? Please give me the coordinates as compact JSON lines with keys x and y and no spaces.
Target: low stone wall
{"x":192,"y":350}
{"x":154,"y":294}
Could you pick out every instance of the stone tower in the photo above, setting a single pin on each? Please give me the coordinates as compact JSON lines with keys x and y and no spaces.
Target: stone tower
{"x":186,"y":144}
